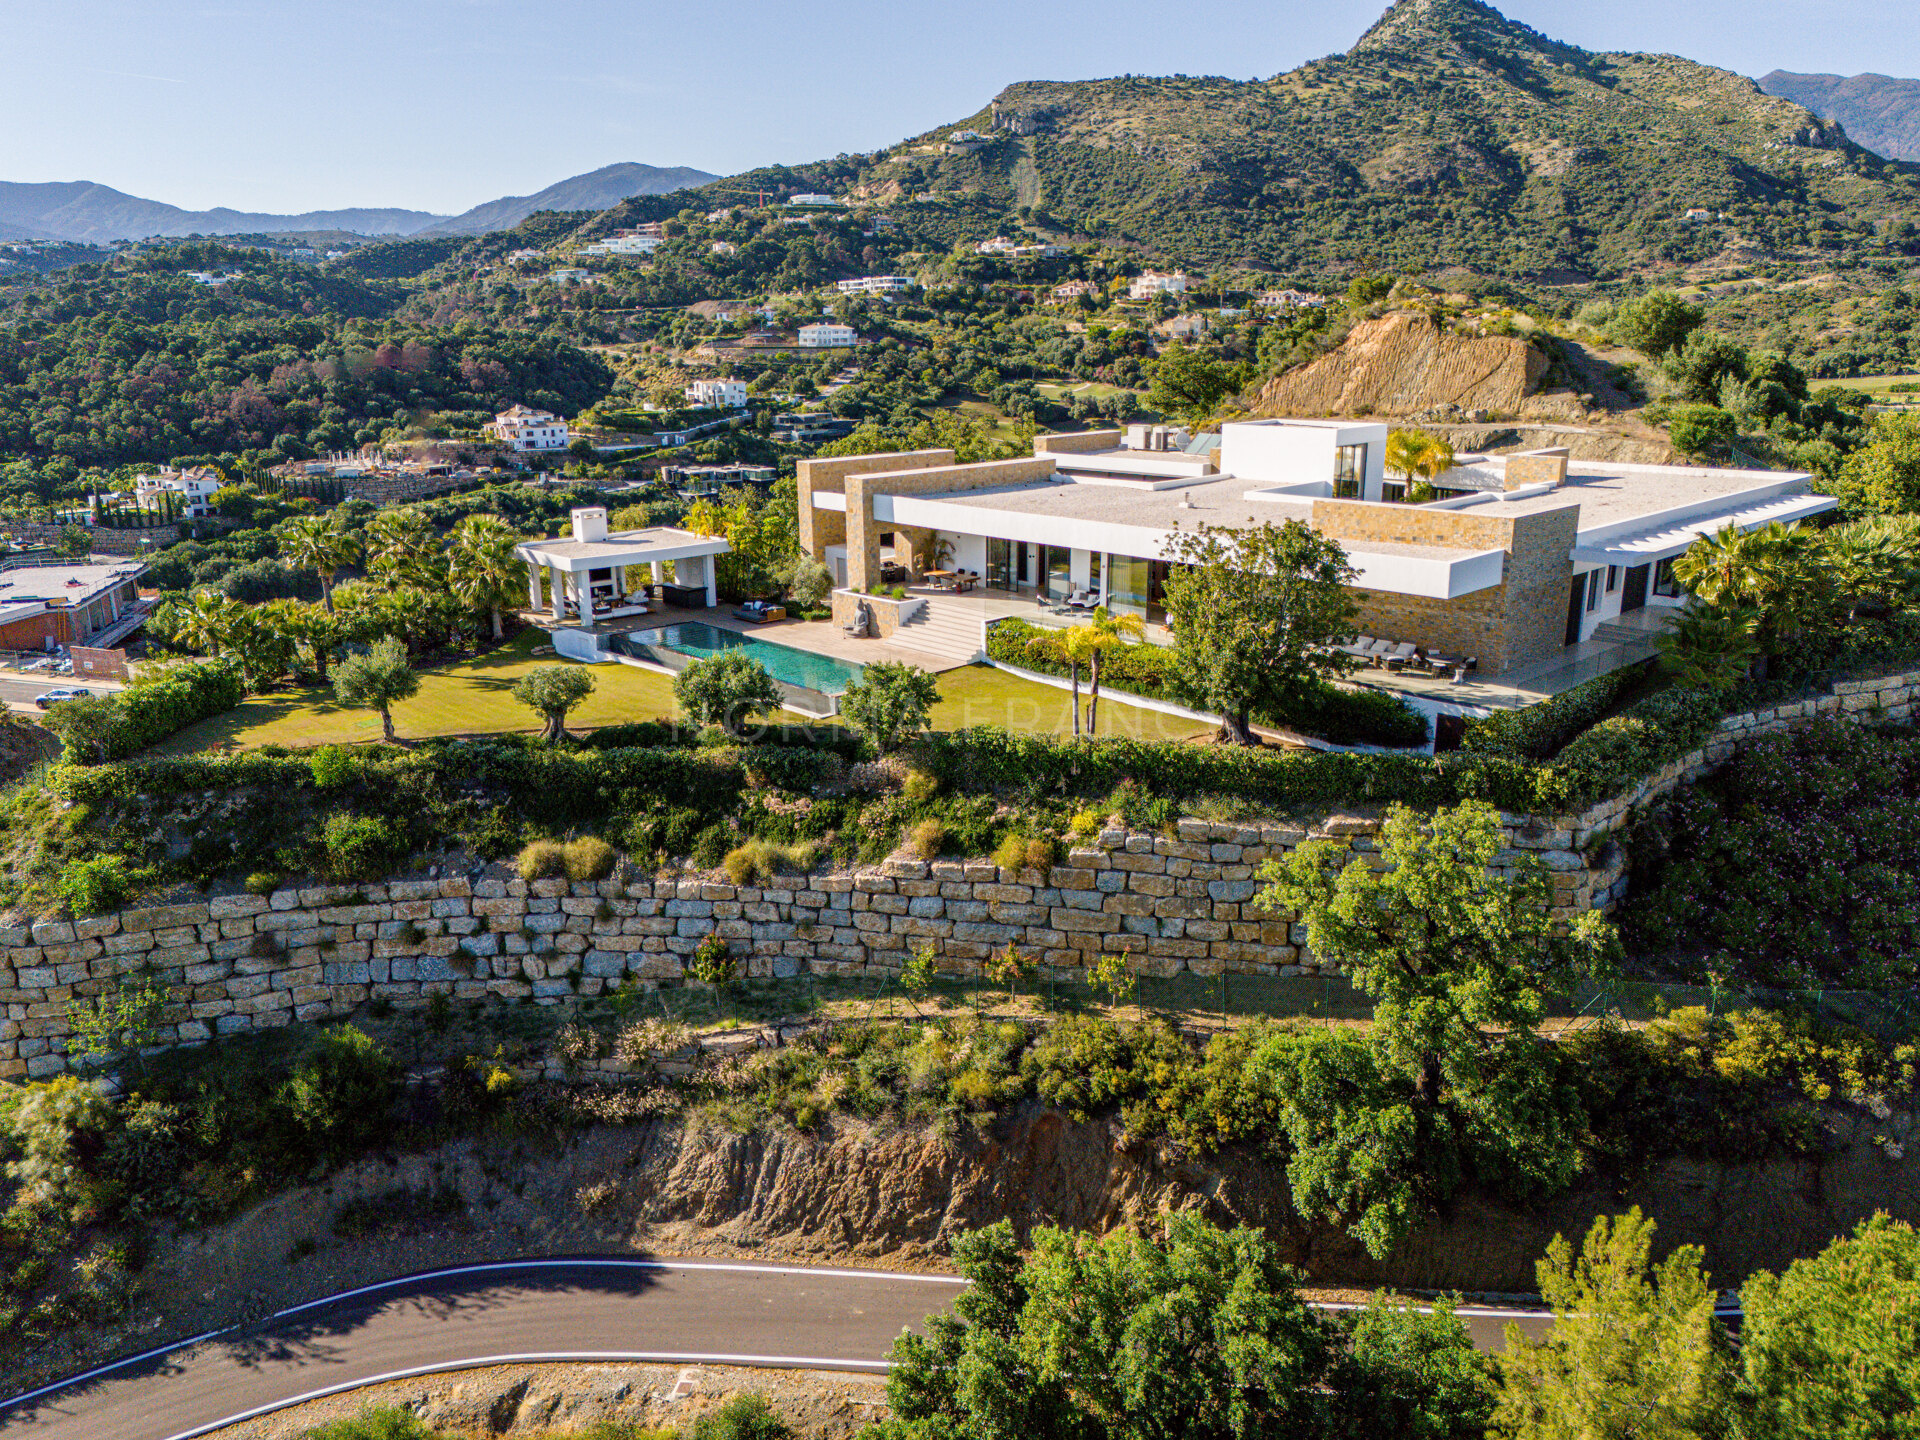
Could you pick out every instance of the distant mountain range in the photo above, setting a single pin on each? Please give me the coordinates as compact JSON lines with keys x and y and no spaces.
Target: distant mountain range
{"x":1877,"y":111}
{"x":83,"y":211}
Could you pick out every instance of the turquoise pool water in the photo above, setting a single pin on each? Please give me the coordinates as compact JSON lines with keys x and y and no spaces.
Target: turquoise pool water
{"x":783,"y":662}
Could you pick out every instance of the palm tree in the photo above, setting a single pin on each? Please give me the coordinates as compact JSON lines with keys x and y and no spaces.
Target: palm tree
{"x":1074,"y":646}
{"x":318,"y":630}
{"x":1873,"y":565}
{"x":1722,"y":568}
{"x":1403,"y":453}
{"x":1711,"y":647}
{"x":322,"y":546}
{"x":208,"y":622}
{"x":1110,"y":631}
{"x":482,"y":568}
{"x":404,"y":549}
{"x":1436,"y":457}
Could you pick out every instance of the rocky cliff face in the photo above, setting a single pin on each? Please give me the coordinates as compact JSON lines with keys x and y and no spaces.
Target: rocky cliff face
{"x":1405,"y":364}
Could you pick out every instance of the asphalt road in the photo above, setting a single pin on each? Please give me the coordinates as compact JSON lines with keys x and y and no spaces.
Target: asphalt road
{"x":22,"y":689}
{"x":645,"y":1310}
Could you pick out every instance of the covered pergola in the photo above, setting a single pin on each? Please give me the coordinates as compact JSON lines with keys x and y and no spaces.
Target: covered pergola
{"x":592,"y":575}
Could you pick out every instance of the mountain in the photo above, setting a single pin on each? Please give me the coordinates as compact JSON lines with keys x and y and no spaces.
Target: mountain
{"x":1448,"y":136}
{"x":82,"y":211}
{"x":596,"y":190}
{"x":1878,"y":111}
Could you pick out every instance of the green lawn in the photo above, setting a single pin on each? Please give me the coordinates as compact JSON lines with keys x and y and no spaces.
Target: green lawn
{"x":471,"y":698}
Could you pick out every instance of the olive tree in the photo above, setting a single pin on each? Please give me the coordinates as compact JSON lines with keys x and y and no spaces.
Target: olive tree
{"x":890,"y":703}
{"x":1254,"y":613}
{"x":553,"y":690}
{"x":725,"y":690}
{"x":377,"y":679}
{"x":1459,"y":960}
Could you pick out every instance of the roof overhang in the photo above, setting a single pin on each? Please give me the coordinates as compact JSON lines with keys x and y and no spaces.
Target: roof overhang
{"x":1442,"y":575}
{"x":638,"y":547}
{"x":1643,"y":547}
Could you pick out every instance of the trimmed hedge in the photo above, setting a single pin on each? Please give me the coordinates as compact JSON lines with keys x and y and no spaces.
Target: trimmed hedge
{"x":1536,"y":732}
{"x":1342,"y":717}
{"x":144,"y":715}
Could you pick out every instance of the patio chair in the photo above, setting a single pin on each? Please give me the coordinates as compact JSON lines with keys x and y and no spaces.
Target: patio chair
{"x":1402,"y":655}
{"x":1376,"y":652}
{"x":1082,"y":600}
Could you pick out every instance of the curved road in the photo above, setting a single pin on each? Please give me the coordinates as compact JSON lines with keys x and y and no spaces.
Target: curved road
{"x":695,"y":1311}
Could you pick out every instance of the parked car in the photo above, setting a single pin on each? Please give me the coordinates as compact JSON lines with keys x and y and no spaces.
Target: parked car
{"x":54,"y":697}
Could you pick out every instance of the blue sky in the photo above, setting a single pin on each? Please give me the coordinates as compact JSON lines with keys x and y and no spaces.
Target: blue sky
{"x":289,"y":105}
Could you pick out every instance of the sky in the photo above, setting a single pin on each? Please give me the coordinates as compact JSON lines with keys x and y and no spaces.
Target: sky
{"x":294,"y":105}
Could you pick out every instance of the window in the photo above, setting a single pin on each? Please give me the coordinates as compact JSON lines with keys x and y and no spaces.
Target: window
{"x":1663,"y":582}
{"x":1349,"y":471}
{"x":1613,"y":578}
{"x":1593,"y":590}
{"x":1393,"y":492}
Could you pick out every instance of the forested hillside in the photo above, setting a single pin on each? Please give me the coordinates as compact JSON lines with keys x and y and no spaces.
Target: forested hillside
{"x":1448,"y":135}
{"x":135,"y":361}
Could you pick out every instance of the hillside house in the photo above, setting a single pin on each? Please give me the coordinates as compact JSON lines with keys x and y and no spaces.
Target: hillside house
{"x":45,"y":606}
{"x":186,"y":493}
{"x":1518,"y":559}
{"x":719,"y":394}
{"x":1154,"y":283}
{"x":825,"y":337}
{"x":528,"y":430}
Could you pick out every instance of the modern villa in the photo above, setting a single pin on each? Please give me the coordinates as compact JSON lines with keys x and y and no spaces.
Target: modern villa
{"x":1518,"y":558}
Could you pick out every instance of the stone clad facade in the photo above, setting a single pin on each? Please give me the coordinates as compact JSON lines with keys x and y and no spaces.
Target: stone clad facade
{"x":1171,"y":903}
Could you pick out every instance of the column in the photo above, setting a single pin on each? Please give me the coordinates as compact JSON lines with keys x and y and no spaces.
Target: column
{"x":713,"y":588}
{"x":533,"y":585}
{"x":556,"y":577}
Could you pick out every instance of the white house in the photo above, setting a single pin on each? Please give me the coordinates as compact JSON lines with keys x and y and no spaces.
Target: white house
{"x":719,"y":394}
{"x":1001,"y":245}
{"x":875,"y":285}
{"x":825,"y":337}
{"x":1288,"y":299}
{"x":191,"y":491}
{"x":570,"y":276}
{"x":526,"y":430}
{"x":817,"y":202}
{"x":623,"y":245}
{"x":514,"y":256}
{"x":1153,"y":283}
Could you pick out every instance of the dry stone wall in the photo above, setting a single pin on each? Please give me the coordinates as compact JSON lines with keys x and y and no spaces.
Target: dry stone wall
{"x":1170,"y":903}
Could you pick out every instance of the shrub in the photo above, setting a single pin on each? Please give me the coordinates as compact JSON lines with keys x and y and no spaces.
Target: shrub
{"x":926,"y":838}
{"x":386,"y":1422}
{"x":758,"y":859}
{"x":589,"y":858}
{"x":542,"y":860}
{"x":1011,"y":853}
{"x":712,"y":961}
{"x":1042,"y":851}
{"x":332,"y":766}
{"x":710,"y":847}
{"x":1537,"y":732}
{"x":1086,"y":823}
{"x":91,"y":886}
{"x":182,"y":695}
{"x":263,"y":882}
{"x":743,"y":1417}
{"x":361,"y":847}
{"x":919,"y":787}
{"x":340,"y":1090}
{"x":46,"y":1122}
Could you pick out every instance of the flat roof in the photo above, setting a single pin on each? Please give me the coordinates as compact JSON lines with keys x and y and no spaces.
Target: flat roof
{"x":622,"y":547}
{"x":52,"y":582}
{"x":1215,"y":500}
{"x":1610,"y":495}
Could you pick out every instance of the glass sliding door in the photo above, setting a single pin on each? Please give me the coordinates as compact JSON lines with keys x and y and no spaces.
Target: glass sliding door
{"x":1000,"y":572}
{"x":1056,"y":562}
{"x":1127,"y":583}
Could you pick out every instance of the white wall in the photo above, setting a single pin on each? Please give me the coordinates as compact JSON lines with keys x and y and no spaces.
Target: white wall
{"x":1282,"y":452}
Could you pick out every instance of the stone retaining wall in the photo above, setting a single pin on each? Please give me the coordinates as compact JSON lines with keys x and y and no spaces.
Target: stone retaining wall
{"x":1170,"y":903}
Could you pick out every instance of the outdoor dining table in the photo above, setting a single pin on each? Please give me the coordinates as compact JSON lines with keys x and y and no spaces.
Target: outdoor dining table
{"x":937,"y":576}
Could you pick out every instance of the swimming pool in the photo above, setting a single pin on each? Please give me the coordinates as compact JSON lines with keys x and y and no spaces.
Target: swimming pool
{"x":703,"y":641}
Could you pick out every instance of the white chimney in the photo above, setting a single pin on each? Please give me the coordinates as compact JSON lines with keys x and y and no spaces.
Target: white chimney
{"x":590,"y":523}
